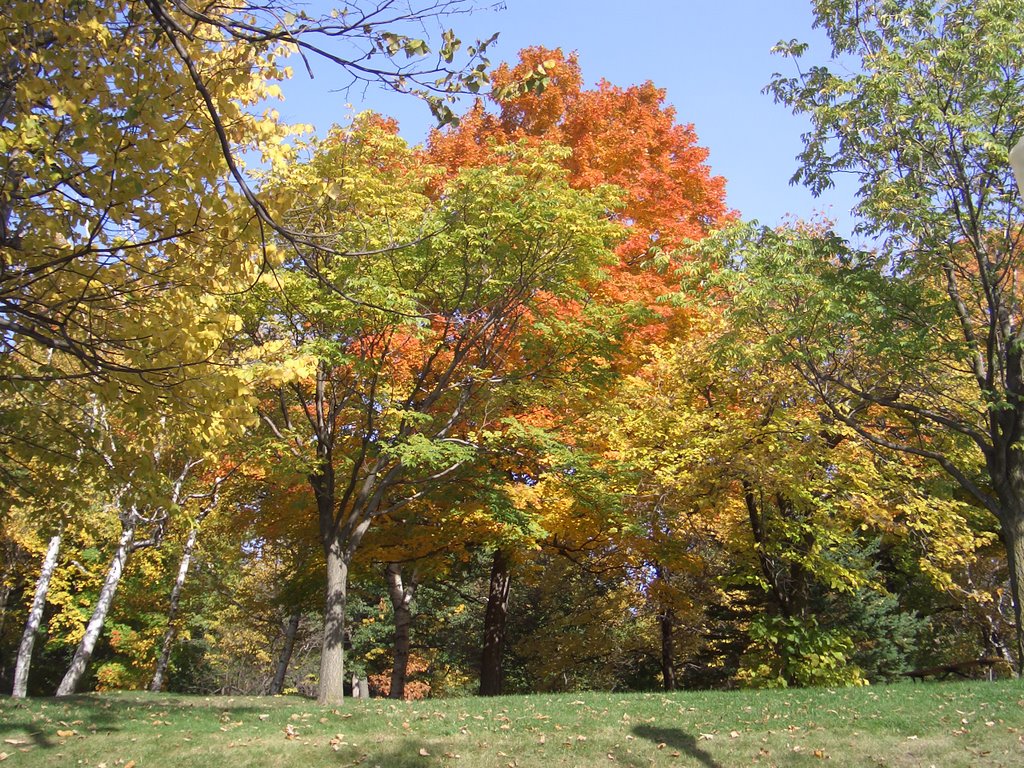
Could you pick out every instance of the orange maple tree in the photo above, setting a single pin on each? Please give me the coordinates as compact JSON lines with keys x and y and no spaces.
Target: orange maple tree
{"x":627,"y":137}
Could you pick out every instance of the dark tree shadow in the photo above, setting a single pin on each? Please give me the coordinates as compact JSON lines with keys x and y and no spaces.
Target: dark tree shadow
{"x":677,"y":739}
{"x":17,"y":716}
{"x":404,"y":755}
{"x":99,"y":713}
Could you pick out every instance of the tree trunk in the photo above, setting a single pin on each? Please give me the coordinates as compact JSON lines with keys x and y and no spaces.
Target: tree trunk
{"x":1006,"y":470}
{"x":401,"y":601}
{"x":5,"y":596}
{"x":156,"y":684}
{"x":12,"y":558}
{"x":668,"y":648}
{"x":291,"y":629}
{"x":332,"y":656}
{"x":99,"y":614}
{"x":494,"y":626}
{"x":35,"y":615}
{"x":1012,"y":530}
{"x":667,"y":623}
{"x":360,"y":687}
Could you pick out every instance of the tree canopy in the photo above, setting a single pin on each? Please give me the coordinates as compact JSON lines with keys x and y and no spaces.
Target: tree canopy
{"x":524,"y":408}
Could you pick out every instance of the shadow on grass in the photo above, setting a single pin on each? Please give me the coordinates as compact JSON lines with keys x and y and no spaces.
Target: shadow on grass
{"x":677,"y":739}
{"x":405,"y":754}
{"x":90,"y":713}
{"x":18,"y":716}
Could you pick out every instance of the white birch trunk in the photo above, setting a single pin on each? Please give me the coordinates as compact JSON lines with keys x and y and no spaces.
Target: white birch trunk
{"x":35,"y":615}
{"x":99,"y":614}
{"x":157,"y":683}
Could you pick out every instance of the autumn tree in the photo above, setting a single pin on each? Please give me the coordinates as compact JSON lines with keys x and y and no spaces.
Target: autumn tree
{"x":46,"y":507}
{"x":628,"y":137}
{"x":126,"y":215}
{"x":740,"y":491}
{"x":913,"y":345}
{"x":407,"y":353}
{"x":123,"y":124}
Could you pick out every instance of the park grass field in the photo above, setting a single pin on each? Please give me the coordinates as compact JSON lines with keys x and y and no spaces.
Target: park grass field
{"x":932,"y":724}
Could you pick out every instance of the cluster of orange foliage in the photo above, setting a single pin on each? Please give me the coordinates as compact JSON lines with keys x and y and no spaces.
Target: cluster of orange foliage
{"x":627,"y":137}
{"x":415,"y":688}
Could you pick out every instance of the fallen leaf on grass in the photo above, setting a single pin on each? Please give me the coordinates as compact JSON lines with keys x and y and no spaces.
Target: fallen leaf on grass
{"x":821,"y":753}
{"x":4,"y":755}
{"x":130,"y":764}
{"x":264,"y":717}
{"x":65,"y":734}
{"x":15,"y":742}
{"x":337,"y":743}
{"x":290,"y":733}
{"x":734,"y":734}
{"x":423,"y":752}
{"x":706,"y":737}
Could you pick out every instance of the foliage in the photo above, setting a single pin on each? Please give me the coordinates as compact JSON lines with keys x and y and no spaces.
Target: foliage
{"x":925,"y":119}
{"x":702,"y":452}
{"x":800,"y":651}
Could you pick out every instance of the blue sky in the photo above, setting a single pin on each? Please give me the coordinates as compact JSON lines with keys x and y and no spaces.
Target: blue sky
{"x":713,"y":58}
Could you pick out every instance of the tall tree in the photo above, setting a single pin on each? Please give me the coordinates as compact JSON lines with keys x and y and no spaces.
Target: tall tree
{"x":628,"y":137}
{"x":408,"y":353}
{"x":916,"y":345}
{"x":625,"y":136}
{"x":207,"y":503}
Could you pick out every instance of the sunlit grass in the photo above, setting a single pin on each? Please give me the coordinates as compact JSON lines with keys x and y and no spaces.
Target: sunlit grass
{"x":951,"y":724}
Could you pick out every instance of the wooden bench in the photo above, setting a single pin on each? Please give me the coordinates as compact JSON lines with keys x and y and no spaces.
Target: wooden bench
{"x":960,"y":668}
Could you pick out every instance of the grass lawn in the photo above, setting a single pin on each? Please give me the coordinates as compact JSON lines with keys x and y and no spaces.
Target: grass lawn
{"x":940,"y":724}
